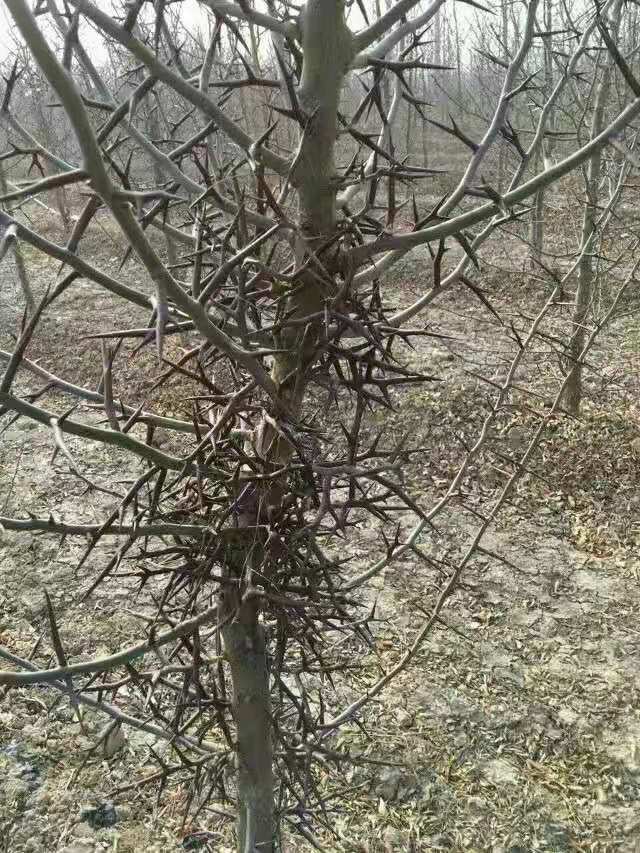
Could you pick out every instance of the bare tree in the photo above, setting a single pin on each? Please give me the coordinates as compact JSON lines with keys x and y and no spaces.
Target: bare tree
{"x":284,"y":254}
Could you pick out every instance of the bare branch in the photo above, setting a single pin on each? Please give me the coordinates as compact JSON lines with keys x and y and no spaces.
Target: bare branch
{"x":126,"y":656}
{"x":245,"y":13}
{"x":383,"y":48}
{"x":117,"y":439}
{"x":519,"y":194}
{"x":398,"y":11}
{"x":133,"y":531}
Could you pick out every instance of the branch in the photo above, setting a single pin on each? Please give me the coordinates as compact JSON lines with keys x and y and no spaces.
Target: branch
{"x":363,"y":58}
{"x":105,"y":436}
{"x":133,"y":531}
{"x":619,"y":59}
{"x":367,"y":36}
{"x":383,"y":142}
{"x":384,"y":264}
{"x":73,"y":176}
{"x":493,"y":131}
{"x":126,"y":656}
{"x":72,"y":260}
{"x":545,"y":113}
{"x":115,"y":713}
{"x":472,"y":217}
{"x":123,"y":113}
{"x":288,"y":29}
{"x":453,"y":581}
{"x":13,"y":122}
{"x":165,"y":283}
{"x":95,"y":397}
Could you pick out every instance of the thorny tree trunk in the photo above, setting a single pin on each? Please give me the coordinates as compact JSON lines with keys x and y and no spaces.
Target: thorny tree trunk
{"x":327,"y":51}
{"x":572,"y":397}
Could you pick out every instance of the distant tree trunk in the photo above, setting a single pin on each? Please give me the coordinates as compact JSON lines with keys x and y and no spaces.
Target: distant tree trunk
{"x":437,"y":42}
{"x":410,"y":130}
{"x":437,"y":39}
{"x":424,"y":93}
{"x":536,"y":234}
{"x":572,"y":397}
{"x":255,"y":51}
{"x":536,"y":237}
{"x":505,"y":56}
{"x":23,"y":276}
{"x":425,"y":143}
{"x":60,"y":200}
{"x":458,"y":56}
{"x":58,"y":195}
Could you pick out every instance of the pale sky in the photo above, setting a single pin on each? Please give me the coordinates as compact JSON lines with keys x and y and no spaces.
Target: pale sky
{"x":191,"y":10}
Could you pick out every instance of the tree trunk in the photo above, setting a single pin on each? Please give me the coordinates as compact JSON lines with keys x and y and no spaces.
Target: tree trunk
{"x":437,"y":60}
{"x":246,"y":654}
{"x":536,"y":235}
{"x":458,"y":58}
{"x":409,"y":135}
{"x":425,"y":125}
{"x":58,"y":195}
{"x":572,"y":396}
{"x":327,"y":51}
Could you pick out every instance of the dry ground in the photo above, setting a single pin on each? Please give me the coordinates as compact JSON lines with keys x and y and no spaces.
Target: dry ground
{"x":518,"y":726}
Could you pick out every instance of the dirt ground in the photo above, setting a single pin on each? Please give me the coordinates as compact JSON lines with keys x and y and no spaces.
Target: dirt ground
{"x":517,"y":728}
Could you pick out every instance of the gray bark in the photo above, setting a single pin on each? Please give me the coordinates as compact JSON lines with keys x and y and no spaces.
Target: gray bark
{"x":572,"y":397}
{"x":245,"y":652}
